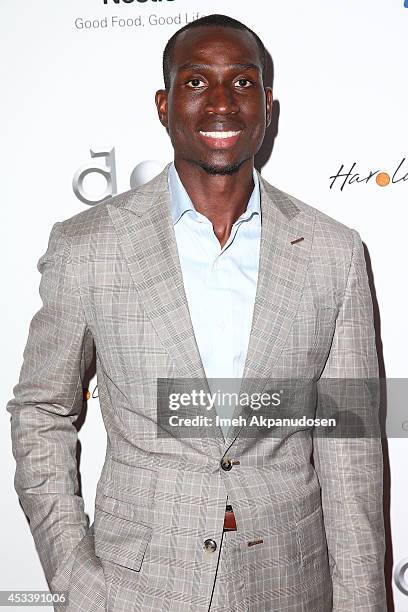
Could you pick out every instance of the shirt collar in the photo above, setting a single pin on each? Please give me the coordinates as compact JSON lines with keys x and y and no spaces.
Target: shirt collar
{"x":181,"y":202}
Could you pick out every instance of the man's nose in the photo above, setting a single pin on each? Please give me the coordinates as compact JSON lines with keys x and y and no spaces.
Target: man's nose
{"x":221,"y":100}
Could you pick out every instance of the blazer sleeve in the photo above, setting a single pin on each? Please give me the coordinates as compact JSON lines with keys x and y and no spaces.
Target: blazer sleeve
{"x":349,"y":463}
{"x":47,"y":400}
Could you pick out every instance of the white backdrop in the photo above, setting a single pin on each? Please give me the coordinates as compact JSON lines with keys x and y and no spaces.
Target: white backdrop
{"x":67,"y":90}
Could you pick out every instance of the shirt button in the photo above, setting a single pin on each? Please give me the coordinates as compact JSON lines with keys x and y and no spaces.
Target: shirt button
{"x":210,"y":546}
{"x":226,"y":464}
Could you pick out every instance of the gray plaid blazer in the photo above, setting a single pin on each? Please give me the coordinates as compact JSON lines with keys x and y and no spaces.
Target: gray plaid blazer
{"x":111,"y":281}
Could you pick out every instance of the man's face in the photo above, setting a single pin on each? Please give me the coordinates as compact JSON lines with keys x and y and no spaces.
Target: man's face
{"x":217,"y":108}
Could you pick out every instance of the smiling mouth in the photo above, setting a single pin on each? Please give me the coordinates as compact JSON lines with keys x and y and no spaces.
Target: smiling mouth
{"x":220,"y":139}
{"x":220,"y":134}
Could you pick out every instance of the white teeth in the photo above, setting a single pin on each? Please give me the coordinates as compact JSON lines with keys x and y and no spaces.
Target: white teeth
{"x":220,"y":134}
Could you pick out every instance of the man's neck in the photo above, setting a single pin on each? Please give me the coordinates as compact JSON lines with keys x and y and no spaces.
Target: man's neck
{"x":220,"y":198}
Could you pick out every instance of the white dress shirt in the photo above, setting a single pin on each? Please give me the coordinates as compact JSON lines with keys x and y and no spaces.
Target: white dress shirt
{"x":220,"y":283}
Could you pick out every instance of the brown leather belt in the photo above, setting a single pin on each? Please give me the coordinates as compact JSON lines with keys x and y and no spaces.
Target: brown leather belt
{"x":229,"y":519}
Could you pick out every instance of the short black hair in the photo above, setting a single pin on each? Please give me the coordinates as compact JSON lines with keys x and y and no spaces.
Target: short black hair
{"x":210,"y":20}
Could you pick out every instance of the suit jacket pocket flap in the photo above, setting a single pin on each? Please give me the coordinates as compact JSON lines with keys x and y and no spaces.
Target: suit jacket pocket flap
{"x":118,"y":537}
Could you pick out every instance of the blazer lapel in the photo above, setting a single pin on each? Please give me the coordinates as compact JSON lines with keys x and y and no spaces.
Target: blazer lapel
{"x":146,"y":234}
{"x":281,"y":275}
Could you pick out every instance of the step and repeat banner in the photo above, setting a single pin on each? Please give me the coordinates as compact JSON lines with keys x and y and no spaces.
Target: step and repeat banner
{"x":79,"y":125}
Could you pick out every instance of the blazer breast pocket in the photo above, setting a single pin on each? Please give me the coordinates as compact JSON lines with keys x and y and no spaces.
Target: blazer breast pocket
{"x":312,"y":329}
{"x":326,"y":323}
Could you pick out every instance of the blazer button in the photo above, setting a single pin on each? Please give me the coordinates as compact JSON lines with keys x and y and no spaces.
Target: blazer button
{"x":226,"y":464}
{"x":210,"y":546}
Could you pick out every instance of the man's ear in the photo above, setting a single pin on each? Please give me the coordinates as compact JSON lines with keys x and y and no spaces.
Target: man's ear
{"x":161,"y":105}
{"x":269,"y":104}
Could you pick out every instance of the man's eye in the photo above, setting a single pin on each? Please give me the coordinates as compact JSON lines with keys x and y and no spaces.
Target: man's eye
{"x":195,"y":83}
{"x":243,"y":83}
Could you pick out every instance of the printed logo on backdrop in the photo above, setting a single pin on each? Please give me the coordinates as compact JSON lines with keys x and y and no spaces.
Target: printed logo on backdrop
{"x":140,"y":20}
{"x":406,"y":3}
{"x":353,"y":175}
{"x":92,"y":174}
{"x":401,"y":569}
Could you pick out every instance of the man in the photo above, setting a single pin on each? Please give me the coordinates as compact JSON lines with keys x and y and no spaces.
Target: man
{"x":205,"y":272}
